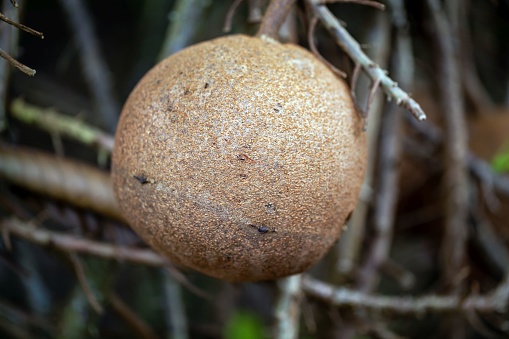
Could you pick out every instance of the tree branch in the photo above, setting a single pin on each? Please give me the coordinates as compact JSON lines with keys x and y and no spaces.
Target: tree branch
{"x":354,"y":51}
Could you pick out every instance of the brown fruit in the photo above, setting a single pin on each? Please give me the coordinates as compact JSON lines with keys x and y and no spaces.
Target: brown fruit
{"x":239,"y":157}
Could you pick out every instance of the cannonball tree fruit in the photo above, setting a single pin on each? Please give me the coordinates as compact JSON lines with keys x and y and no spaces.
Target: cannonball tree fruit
{"x":239,"y":157}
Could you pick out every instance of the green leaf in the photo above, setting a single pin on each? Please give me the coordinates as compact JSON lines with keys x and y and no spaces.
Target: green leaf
{"x":245,"y":325}
{"x":500,"y":162}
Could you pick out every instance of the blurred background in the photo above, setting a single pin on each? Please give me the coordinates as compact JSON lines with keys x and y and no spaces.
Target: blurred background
{"x":433,"y":217}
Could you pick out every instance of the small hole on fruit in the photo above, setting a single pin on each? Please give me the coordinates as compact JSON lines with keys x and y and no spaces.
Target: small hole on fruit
{"x":141,"y":178}
{"x":271,"y":208}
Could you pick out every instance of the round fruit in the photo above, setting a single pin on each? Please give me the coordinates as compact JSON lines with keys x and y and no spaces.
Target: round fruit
{"x":239,"y":157}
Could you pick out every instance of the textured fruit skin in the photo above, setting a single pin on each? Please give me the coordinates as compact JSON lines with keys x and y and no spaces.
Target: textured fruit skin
{"x":239,"y":157}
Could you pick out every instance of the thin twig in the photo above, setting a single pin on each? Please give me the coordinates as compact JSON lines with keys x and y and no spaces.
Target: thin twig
{"x":312,"y":45}
{"x":497,"y":300}
{"x":274,"y":17}
{"x":353,"y":49}
{"x":139,"y":327}
{"x":21,"y":26}
{"x":25,"y":69}
{"x":82,"y":279}
{"x":374,"y":4}
{"x":456,"y":180}
{"x":255,"y":11}
{"x":174,"y":303}
{"x":8,"y":42}
{"x":74,"y":244}
{"x":349,"y":246}
{"x":95,"y":69}
{"x":229,"y":16}
{"x":69,"y":243}
{"x":14,"y":3}
{"x":180,"y":33}
{"x":389,"y":155}
{"x":287,"y":310}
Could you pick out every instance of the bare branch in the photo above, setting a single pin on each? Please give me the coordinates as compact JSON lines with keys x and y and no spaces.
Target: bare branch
{"x":82,"y":279}
{"x":229,"y":16}
{"x":374,"y":4}
{"x":21,"y":26}
{"x":288,"y":307}
{"x":497,"y":300}
{"x":312,"y":45}
{"x":388,"y":172}
{"x":175,"y":307}
{"x":74,"y":182}
{"x":352,"y":48}
{"x":132,"y":320}
{"x":69,"y":243}
{"x":180,"y":33}
{"x":274,"y":17}
{"x":25,"y":69}
{"x":456,"y":180}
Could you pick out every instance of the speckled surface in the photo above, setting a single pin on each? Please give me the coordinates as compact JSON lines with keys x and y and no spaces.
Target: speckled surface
{"x":240,"y":158}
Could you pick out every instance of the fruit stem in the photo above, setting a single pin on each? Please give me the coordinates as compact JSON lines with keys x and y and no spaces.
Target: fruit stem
{"x":274,"y":17}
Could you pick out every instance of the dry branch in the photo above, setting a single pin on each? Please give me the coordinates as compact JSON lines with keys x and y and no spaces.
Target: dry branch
{"x":388,"y":173}
{"x":350,"y":243}
{"x":82,"y":279}
{"x":25,"y":69}
{"x":354,"y":51}
{"x":287,"y":309}
{"x":495,"y":301}
{"x":69,"y":243}
{"x":274,"y":17}
{"x":8,"y":42}
{"x":21,"y":26}
{"x":79,"y":184}
{"x":179,"y":33}
{"x":456,"y":181}
{"x":132,"y":320}
{"x":175,"y":307}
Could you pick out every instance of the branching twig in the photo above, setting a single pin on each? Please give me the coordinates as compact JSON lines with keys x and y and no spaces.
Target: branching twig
{"x":288,"y":307}
{"x":69,"y":243}
{"x":497,"y":300}
{"x":354,"y":51}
